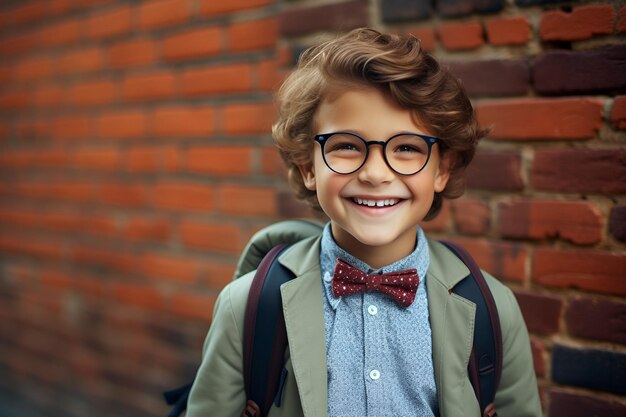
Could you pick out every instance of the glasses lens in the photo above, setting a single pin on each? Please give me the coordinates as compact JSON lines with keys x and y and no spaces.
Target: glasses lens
{"x":344,"y":153}
{"x":407,"y":154}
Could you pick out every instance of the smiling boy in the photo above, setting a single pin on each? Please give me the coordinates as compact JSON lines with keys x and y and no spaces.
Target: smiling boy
{"x":374,"y":133}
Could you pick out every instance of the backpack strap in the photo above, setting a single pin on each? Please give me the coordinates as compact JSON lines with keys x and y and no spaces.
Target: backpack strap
{"x":485,"y":365}
{"x":265,"y":335}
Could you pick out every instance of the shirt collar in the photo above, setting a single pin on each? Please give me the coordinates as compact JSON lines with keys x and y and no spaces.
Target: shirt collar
{"x":330,"y":252}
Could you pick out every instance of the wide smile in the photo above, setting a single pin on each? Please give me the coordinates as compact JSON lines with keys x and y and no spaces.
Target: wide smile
{"x":378,"y":203}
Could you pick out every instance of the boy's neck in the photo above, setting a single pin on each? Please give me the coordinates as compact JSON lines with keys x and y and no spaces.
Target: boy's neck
{"x":376,"y":256}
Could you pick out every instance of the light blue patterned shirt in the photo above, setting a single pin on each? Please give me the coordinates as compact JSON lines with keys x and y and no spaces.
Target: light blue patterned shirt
{"x":379,"y":354}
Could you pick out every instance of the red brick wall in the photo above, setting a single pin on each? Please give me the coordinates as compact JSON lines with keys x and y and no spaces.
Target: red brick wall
{"x":136,"y":161}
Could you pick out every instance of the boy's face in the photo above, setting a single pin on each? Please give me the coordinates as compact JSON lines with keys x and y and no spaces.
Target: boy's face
{"x":361,"y":228}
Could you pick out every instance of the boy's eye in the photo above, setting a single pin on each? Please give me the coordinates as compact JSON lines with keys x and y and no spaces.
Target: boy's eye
{"x":407,"y":148}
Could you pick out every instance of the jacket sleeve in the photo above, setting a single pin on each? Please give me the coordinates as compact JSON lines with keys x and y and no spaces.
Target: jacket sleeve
{"x":218,"y":389}
{"x":517,"y":394}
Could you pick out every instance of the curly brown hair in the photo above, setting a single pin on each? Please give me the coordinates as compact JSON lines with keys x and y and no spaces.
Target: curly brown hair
{"x":399,"y":67}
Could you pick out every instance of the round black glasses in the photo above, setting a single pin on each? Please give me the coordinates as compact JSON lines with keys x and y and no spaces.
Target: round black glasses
{"x":404,"y":153}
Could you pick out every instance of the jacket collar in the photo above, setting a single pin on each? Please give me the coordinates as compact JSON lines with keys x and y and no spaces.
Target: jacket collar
{"x":451,"y":317}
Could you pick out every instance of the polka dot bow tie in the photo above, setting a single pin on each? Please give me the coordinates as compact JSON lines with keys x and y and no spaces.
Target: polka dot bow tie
{"x":401,"y":285}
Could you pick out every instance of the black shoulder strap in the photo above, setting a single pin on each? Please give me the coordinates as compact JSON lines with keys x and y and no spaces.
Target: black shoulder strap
{"x":485,"y":365}
{"x":265,"y":336}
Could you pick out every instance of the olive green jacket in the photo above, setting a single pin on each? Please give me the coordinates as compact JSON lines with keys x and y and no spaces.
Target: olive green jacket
{"x":218,"y":390}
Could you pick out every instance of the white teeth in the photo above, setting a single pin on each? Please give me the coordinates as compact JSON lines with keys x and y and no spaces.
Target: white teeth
{"x":375,"y":203}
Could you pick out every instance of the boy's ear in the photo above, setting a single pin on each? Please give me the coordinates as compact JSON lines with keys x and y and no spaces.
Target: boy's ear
{"x":308,"y":176}
{"x":443,"y":173}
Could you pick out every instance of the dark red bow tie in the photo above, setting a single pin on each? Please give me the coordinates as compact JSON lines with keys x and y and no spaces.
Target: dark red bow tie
{"x":401,"y":285}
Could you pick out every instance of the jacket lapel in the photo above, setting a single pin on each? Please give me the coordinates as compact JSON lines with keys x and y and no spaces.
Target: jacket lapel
{"x":452,"y":325}
{"x":304,"y":320}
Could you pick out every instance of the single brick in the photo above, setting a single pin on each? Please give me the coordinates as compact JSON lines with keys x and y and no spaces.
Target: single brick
{"x":597,"y":319}
{"x":504,"y":260}
{"x":568,"y":72}
{"x":589,"y":368}
{"x":107,"y":159}
{"x":458,"y":36}
{"x":539,"y":353}
{"x":246,"y":201}
{"x":617,"y":223}
{"x":403,"y":10}
{"x":191,"y":44}
{"x":541,"y":312}
{"x":108,"y":24}
{"x":579,"y":222}
{"x":211,"y":236}
{"x":130,"y":124}
{"x":496,"y":170}
{"x":452,"y":8}
{"x":160,"y":13}
{"x":153,"y":159}
{"x":219,"y":160}
{"x":248,"y":118}
{"x":535,"y":119}
{"x":215,"y":8}
{"x":589,"y":270}
{"x":79,"y":61}
{"x":471,"y":216}
{"x":618,"y":113}
{"x":122,"y":194}
{"x":582,"y":23}
{"x":33,"y":68}
{"x":230,"y":78}
{"x":20,"y":43}
{"x":141,"y":228}
{"x":161,"y":265}
{"x":183,"y":196}
{"x":76,"y":126}
{"x":621,"y":22}
{"x":183,"y":121}
{"x":598,"y":171}
{"x":132,"y":53}
{"x":150,"y":86}
{"x":94,"y":92}
{"x":508,"y":30}
{"x":493,"y":77}
{"x":192,"y":306}
{"x":295,"y":21}
{"x":576,"y":404}
{"x":62,"y":33}
{"x":253,"y":35}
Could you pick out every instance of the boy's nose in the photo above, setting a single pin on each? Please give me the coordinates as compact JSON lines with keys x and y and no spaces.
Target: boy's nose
{"x":375,"y":170}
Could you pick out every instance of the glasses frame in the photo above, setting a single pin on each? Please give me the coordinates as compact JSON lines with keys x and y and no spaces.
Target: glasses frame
{"x":322,"y":138}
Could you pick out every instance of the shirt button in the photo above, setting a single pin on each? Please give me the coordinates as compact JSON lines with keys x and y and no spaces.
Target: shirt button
{"x":374,"y":374}
{"x":372,"y":310}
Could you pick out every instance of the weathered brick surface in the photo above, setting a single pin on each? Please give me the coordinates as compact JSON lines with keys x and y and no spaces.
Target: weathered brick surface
{"x":450,"y":8}
{"x":541,"y":312}
{"x":508,"y":31}
{"x":576,"y":221}
{"x":617,"y":223}
{"x":618,"y":113}
{"x":333,"y":16}
{"x":524,"y":119}
{"x":568,"y":72}
{"x":403,"y":10}
{"x":496,"y":171}
{"x":597,"y":319}
{"x":580,"y":170}
{"x":582,"y":23}
{"x":506,"y":261}
{"x":459,"y":36}
{"x":493,"y":77}
{"x":564,"y":403}
{"x":589,"y":270}
{"x":471,"y":216}
{"x":589,"y":368}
